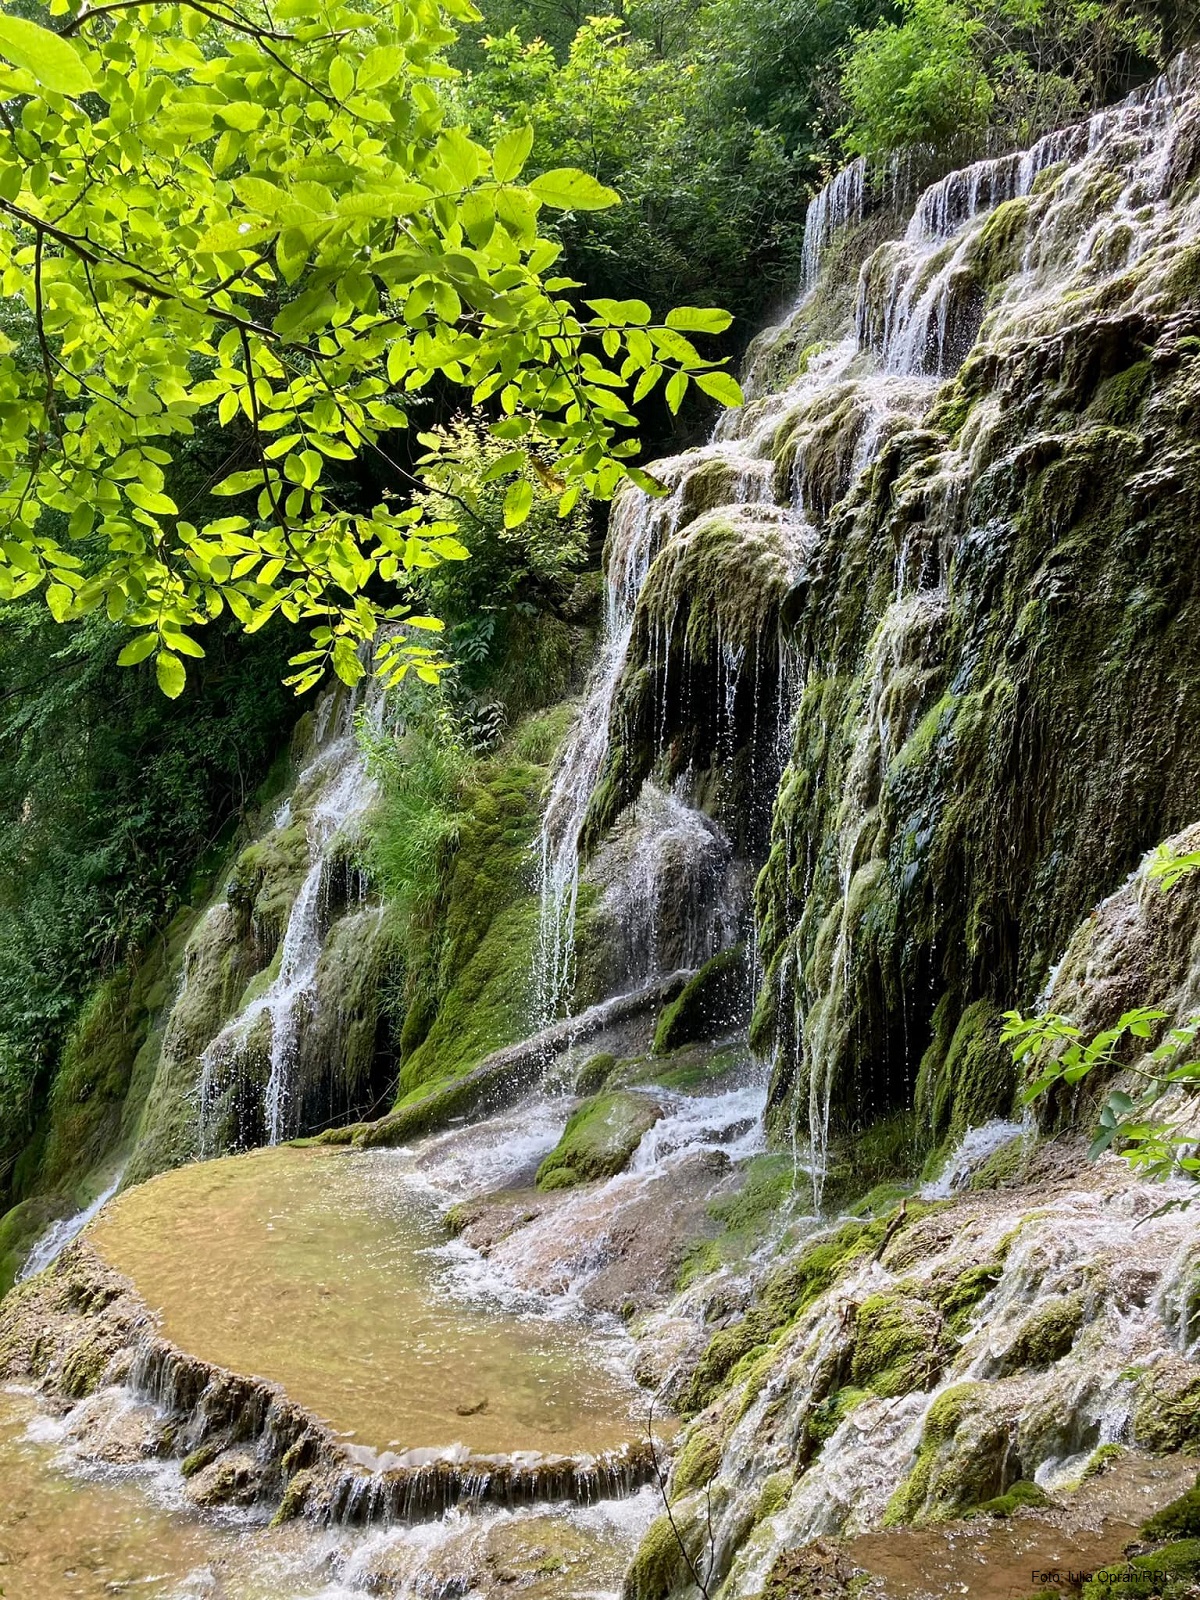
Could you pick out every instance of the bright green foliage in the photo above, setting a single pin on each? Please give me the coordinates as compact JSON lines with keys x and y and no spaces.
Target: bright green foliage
{"x":947,"y":71}
{"x":265,"y":217}
{"x":1167,"y":868}
{"x":709,"y":122}
{"x":1057,"y":1047}
{"x":111,"y":799}
{"x":917,"y":81}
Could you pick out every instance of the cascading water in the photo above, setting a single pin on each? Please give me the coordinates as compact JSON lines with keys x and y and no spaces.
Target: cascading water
{"x":638,"y":525}
{"x":336,"y":790}
{"x":825,"y":1431}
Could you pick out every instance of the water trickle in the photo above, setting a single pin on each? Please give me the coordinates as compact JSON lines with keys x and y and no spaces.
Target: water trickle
{"x":638,"y":524}
{"x":333,"y":791}
{"x":60,"y":1234}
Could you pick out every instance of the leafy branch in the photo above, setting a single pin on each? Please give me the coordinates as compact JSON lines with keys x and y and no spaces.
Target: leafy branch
{"x":1061,"y":1055}
{"x":273,"y":224}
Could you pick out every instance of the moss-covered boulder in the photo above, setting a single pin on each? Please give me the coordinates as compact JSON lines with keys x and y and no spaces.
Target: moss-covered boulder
{"x":1168,"y":1412}
{"x":599,"y":1139}
{"x":1167,"y":1574}
{"x":896,"y":1345}
{"x":715,"y":1002}
{"x":1047,"y":1335}
{"x":1179,"y":1520}
{"x":663,"y":1560}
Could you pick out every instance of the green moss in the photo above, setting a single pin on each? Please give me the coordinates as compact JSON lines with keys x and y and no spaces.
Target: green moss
{"x":966,"y":1075}
{"x":828,"y":1415}
{"x":942,"y":1421}
{"x":660,"y":1565}
{"x":266,"y":879}
{"x":1168,"y":1413}
{"x":699,"y":1260}
{"x":697,"y":1462}
{"x":716,"y":1001}
{"x":1047,"y":1335}
{"x":721,"y":1355}
{"x":599,"y":1139}
{"x":957,"y":1296}
{"x":774,"y":1495}
{"x":1179,"y":1520}
{"x":784,"y":1295}
{"x":795,"y":1285}
{"x":469,"y":979}
{"x":1119,"y":400}
{"x":1168,"y":1574}
{"x":295,"y":1497}
{"x":538,"y":738}
{"x":896,"y":1345}
{"x":998,"y":247}
{"x":484,"y":1008}
{"x":874,"y":1166}
{"x":1101,"y":1458}
{"x":1022,"y":1494}
{"x":1004,"y":1166}
{"x":767,"y":1184}
{"x":202,"y":1457}
{"x":594,"y":1073}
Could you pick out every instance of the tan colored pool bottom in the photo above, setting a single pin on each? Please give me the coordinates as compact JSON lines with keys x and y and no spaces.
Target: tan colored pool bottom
{"x":310,"y":1268}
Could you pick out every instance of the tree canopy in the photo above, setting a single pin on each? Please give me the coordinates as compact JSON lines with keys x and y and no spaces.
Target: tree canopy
{"x":264,"y":220}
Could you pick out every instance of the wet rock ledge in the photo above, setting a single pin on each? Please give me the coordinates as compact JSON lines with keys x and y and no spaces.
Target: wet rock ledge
{"x":81,"y":1334}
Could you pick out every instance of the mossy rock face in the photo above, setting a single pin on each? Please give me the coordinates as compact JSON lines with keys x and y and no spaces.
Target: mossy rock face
{"x":958,"y":1460}
{"x":599,"y":1139}
{"x":1004,"y":1166}
{"x":715,"y":1002}
{"x":1022,"y":1495}
{"x":776,"y":1491}
{"x":1168,"y":1574}
{"x":966,"y":1077}
{"x":1168,"y":1414}
{"x":594,"y":1073}
{"x":827,"y":1416}
{"x":896,"y":1345}
{"x":469,"y":986}
{"x":266,"y":879}
{"x":783,"y":1296}
{"x":965,"y":783}
{"x":661,"y":1563}
{"x":1179,"y":1520}
{"x":1047,"y":1335}
{"x":697,"y":1462}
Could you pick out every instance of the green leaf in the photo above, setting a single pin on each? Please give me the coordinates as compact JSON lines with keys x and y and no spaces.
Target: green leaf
{"x":568,"y":189}
{"x":380,"y":66}
{"x":159,"y":504}
{"x":235,"y":233}
{"x":137,"y":650}
{"x":511,"y":153}
{"x":259,"y":195}
{"x":244,"y":115}
{"x":697,"y":319}
{"x":54,"y":62}
{"x":518,"y":503}
{"x":171,"y":674}
{"x":676,"y":390}
{"x":722,"y":386}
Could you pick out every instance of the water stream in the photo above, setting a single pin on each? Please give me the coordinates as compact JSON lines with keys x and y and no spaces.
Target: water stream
{"x":503,"y":1341}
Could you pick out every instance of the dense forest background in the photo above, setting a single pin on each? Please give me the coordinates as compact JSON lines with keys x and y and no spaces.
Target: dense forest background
{"x":716,"y":120}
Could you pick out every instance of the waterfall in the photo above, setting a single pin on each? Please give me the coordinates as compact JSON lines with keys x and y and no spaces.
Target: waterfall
{"x":638,"y":525}
{"x":338,"y":791}
{"x":60,"y":1234}
{"x":784,"y":461}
